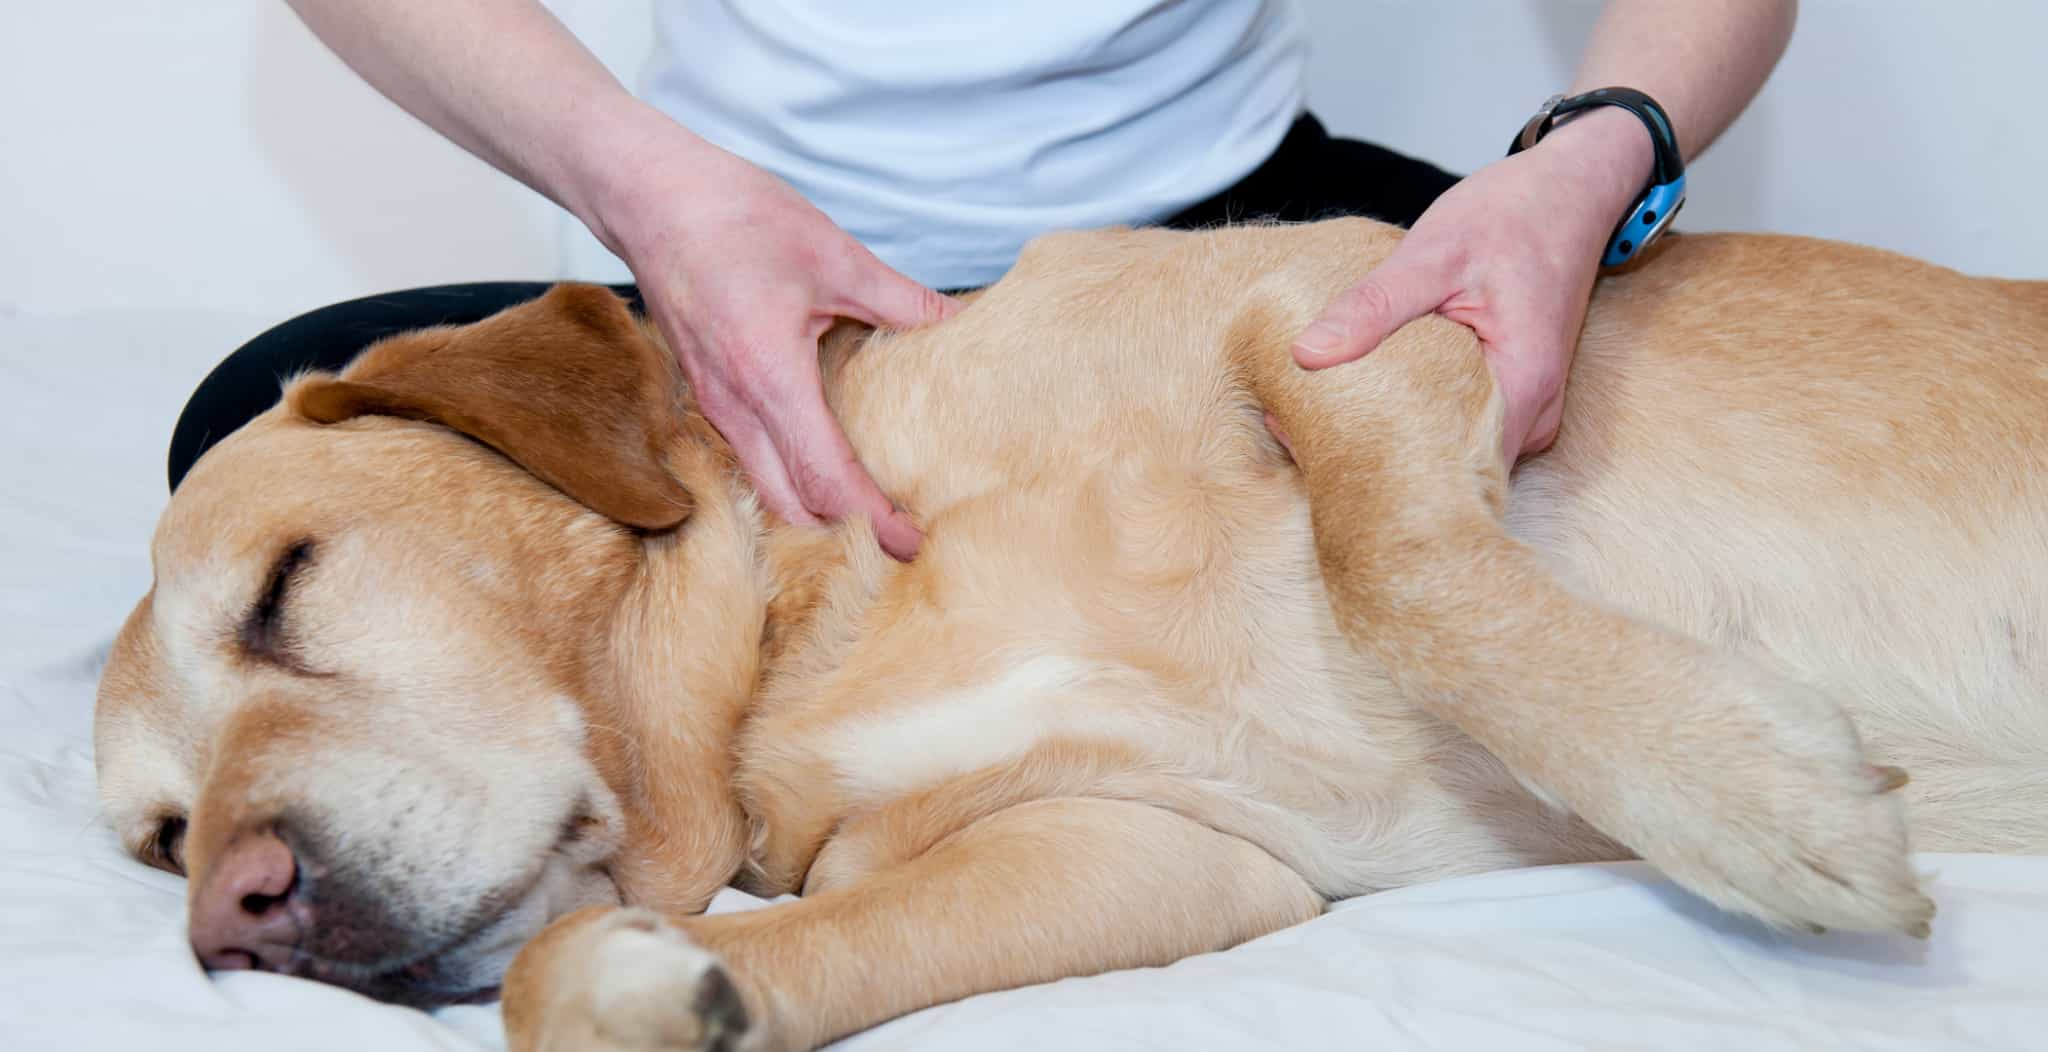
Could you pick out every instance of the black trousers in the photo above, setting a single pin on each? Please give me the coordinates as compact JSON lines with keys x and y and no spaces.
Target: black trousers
{"x":1311,"y":175}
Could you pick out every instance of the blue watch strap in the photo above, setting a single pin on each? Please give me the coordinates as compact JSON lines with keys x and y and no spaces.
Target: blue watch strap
{"x":1645,"y":221}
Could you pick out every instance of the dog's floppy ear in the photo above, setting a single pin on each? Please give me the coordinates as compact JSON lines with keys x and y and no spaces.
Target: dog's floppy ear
{"x":568,"y":386}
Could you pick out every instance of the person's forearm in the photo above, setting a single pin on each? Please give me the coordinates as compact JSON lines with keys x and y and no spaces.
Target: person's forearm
{"x":1702,"y":60}
{"x":505,"y":80}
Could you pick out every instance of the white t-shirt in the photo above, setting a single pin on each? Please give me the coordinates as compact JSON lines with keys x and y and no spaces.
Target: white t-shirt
{"x":944,"y":135}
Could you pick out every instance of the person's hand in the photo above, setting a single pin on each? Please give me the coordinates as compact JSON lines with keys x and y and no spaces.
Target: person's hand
{"x":743,"y":276}
{"x":1511,"y":251}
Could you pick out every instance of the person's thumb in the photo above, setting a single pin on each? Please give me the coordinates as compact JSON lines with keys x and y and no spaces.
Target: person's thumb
{"x":1361,"y":316}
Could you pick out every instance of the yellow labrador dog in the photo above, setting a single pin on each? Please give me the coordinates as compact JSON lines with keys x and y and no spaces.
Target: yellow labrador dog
{"x":482,"y":649}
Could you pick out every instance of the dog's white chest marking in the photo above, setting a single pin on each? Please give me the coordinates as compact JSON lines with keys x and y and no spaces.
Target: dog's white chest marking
{"x":972,"y":728}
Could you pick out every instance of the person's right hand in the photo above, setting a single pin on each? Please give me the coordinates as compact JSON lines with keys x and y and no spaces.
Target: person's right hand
{"x":743,"y":276}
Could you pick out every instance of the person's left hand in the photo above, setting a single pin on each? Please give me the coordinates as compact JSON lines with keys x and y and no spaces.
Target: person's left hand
{"x":1511,"y":251}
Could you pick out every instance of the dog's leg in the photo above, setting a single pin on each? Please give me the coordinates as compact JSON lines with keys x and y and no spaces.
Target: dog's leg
{"x":1034,"y":893}
{"x":1748,"y":789}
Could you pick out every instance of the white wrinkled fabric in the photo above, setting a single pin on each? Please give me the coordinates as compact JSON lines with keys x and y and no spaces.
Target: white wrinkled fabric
{"x":945,"y":135}
{"x":92,"y":950}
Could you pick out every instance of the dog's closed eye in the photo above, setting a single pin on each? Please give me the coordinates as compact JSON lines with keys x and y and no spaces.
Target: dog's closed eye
{"x":263,"y":630}
{"x":166,"y":848}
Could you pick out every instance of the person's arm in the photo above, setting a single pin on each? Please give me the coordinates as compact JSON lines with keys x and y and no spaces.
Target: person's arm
{"x":1703,"y":61}
{"x":741,"y":274}
{"x":1513,"y":249}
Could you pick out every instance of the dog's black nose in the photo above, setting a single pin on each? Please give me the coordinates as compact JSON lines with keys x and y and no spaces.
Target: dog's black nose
{"x":250,"y":913}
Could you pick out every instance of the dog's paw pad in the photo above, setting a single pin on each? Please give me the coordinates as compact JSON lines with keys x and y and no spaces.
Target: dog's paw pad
{"x":723,"y":1014}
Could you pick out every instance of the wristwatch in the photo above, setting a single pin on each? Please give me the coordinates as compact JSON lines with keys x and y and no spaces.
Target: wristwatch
{"x":1647,"y":219}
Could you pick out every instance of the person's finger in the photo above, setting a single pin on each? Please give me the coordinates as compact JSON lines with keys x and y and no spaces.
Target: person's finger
{"x":1532,"y":396}
{"x":1543,"y":430}
{"x":829,"y":479}
{"x":764,"y":466}
{"x":1392,"y":295}
{"x":735,"y":418}
{"x":884,"y":298}
{"x":834,"y":484}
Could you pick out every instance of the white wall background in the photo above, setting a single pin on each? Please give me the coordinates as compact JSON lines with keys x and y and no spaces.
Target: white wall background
{"x":211,"y":156}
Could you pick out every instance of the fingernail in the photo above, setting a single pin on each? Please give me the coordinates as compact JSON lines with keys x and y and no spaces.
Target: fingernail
{"x":1322,"y":337}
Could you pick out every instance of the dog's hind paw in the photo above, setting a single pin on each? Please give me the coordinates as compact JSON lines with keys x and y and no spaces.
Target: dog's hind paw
{"x":1856,"y":876}
{"x":1779,"y":816}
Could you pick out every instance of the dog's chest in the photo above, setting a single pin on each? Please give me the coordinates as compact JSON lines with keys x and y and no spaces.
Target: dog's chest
{"x":1183,"y":656}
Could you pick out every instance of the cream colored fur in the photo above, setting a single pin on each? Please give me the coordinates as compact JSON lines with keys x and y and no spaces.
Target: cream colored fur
{"x":1155,"y":685}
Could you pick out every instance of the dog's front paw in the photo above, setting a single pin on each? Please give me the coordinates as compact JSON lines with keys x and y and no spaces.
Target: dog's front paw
{"x":1769,"y":808}
{"x":625,"y":980}
{"x":652,"y":988}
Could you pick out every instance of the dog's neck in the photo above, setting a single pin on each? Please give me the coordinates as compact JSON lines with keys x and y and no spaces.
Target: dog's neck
{"x":766,"y":588}
{"x":801,"y":564}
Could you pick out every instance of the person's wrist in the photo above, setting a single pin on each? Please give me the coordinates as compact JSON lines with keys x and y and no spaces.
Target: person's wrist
{"x":616,"y":163}
{"x":1613,"y":151}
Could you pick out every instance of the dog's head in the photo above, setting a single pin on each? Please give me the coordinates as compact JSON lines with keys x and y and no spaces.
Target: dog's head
{"x":411,"y":636}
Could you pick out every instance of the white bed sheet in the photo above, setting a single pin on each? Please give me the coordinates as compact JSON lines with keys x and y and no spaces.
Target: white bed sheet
{"x":92,"y":952}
